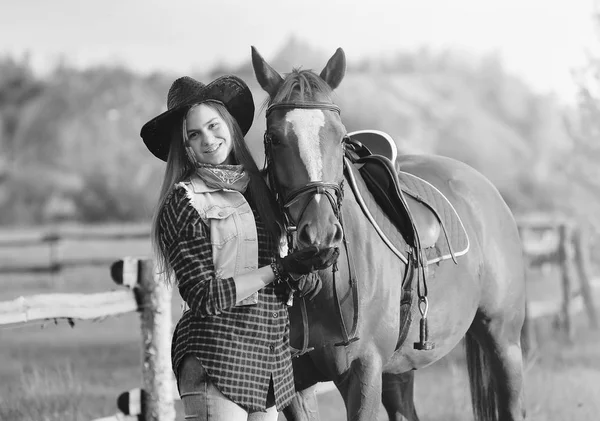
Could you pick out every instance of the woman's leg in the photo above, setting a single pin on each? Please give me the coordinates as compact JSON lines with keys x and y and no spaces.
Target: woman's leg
{"x":270,"y":415}
{"x":202,"y":401}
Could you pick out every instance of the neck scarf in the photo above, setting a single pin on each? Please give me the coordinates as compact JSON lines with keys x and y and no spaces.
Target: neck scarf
{"x":230,"y":177}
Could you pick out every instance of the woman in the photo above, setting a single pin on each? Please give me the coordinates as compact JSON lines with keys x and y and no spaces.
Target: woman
{"x":217,"y":234}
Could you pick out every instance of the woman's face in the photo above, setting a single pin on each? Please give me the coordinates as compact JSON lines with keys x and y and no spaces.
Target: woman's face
{"x":209,"y":136}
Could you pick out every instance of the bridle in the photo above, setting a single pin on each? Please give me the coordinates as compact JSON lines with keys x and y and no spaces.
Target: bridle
{"x":311,"y":189}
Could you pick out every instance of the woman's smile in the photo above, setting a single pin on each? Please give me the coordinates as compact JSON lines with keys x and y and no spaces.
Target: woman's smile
{"x":213,"y":148}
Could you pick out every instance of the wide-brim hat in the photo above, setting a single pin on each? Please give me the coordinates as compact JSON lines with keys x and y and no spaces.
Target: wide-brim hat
{"x":185,"y":92}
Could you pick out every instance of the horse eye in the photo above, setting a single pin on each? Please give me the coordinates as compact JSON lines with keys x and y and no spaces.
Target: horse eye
{"x":274,"y":140}
{"x":268,"y":139}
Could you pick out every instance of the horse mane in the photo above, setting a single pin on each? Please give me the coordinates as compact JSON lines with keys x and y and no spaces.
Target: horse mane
{"x":301,"y":85}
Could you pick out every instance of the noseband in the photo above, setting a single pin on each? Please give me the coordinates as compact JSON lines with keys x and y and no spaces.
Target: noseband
{"x":310,"y":189}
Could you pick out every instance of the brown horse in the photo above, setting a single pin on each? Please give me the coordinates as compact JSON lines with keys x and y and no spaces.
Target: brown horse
{"x":362,"y":328}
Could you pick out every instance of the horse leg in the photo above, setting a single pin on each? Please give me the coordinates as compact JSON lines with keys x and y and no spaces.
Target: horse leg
{"x":494,"y":344}
{"x":398,"y":396}
{"x":304,"y":406}
{"x":360,"y":388}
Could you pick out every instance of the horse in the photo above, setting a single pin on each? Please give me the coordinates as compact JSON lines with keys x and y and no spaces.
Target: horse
{"x":359,"y":331}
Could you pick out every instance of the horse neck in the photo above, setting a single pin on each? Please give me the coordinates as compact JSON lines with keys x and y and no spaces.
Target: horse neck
{"x":356,"y":226}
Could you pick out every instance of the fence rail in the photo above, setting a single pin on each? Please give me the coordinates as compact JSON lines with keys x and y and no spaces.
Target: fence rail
{"x":50,"y":238}
{"x":53,"y":238}
{"x":41,"y":307}
{"x":56,"y":266}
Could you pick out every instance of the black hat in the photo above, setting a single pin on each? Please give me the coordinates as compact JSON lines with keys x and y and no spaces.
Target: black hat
{"x":185,"y":92}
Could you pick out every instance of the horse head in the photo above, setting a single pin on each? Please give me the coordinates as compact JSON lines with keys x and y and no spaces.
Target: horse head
{"x":304,"y":147}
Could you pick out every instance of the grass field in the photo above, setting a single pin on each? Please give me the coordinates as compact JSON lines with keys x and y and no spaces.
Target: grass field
{"x":58,"y":372}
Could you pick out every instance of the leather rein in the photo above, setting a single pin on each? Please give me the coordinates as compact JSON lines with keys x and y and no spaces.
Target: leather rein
{"x":335,"y":194}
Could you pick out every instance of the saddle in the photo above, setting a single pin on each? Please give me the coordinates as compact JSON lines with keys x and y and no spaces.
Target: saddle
{"x":418,"y":223}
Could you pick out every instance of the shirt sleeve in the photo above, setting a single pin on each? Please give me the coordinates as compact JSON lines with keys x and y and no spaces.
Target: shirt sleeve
{"x":187,"y":241}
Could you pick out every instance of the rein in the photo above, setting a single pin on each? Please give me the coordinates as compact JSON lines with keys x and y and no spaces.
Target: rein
{"x":311,"y":189}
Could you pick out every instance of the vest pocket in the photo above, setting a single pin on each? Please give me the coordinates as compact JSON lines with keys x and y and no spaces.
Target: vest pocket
{"x":222,"y":225}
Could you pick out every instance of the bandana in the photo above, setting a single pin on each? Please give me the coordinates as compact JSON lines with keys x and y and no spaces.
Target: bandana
{"x":230,"y":177}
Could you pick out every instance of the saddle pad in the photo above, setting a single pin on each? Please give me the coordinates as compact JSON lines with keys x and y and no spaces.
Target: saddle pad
{"x":428,"y":193}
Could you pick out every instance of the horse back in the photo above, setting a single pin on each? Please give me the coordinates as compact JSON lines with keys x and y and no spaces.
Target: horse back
{"x":464,"y":186}
{"x":495,"y":243}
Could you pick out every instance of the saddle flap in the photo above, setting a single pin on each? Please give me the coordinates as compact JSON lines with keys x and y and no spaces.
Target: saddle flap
{"x":417,"y":223}
{"x":427,"y":225}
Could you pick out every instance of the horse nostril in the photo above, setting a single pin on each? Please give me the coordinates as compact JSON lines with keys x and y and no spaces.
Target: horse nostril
{"x":304,"y":237}
{"x":339,"y":234}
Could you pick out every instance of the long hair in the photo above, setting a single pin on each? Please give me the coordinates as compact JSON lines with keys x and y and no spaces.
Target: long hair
{"x":180,"y":168}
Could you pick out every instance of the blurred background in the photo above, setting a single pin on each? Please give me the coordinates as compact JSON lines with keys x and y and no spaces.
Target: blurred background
{"x":509,"y":87}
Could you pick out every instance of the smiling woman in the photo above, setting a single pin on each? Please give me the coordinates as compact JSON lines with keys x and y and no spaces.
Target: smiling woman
{"x":217,"y":234}
{"x":206,"y":134}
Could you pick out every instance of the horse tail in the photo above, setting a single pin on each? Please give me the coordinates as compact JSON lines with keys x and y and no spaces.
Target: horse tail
{"x":484,"y":393}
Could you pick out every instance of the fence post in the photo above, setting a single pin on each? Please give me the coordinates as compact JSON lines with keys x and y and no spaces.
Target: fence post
{"x":155,"y":314}
{"x":53,"y":239}
{"x":582,"y":257}
{"x":566,"y":267}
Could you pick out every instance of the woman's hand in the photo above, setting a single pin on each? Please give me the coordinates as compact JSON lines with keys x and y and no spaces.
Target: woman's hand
{"x":307,"y":286}
{"x":298,"y":268}
{"x":308,"y":260}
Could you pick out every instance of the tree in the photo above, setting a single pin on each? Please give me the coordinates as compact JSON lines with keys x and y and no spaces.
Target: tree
{"x":580,"y":167}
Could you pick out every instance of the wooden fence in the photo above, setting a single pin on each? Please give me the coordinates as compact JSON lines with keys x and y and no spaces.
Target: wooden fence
{"x":559,"y":241}
{"x":143,"y":292}
{"x":53,"y":238}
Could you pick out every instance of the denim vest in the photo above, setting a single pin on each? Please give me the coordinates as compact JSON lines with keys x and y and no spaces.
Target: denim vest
{"x":232,"y":229}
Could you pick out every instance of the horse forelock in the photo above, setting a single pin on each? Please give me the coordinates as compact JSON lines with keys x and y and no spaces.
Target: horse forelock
{"x":302,"y":85}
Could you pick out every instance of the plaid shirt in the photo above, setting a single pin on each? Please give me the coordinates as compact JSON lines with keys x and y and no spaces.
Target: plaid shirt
{"x":241,"y":348}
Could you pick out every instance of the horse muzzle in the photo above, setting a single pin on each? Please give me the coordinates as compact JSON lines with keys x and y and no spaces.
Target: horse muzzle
{"x":320,"y":232}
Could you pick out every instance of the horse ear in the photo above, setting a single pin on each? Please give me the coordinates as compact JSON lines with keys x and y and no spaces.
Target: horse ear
{"x":266,"y":76}
{"x":335,"y":69}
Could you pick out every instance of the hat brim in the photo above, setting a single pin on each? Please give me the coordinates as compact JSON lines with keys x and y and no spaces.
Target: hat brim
{"x":230,"y":90}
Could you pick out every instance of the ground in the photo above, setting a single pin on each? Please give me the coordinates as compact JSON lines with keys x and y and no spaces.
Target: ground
{"x":57,"y":372}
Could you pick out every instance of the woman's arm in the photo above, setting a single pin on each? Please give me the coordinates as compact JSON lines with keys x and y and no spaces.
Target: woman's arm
{"x":248,"y":283}
{"x":190,"y":253}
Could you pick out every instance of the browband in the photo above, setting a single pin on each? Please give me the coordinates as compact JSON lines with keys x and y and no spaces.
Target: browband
{"x":304,"y":105}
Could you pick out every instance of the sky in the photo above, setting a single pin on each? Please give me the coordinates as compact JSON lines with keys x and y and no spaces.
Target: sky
{"x":541,"y":41}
